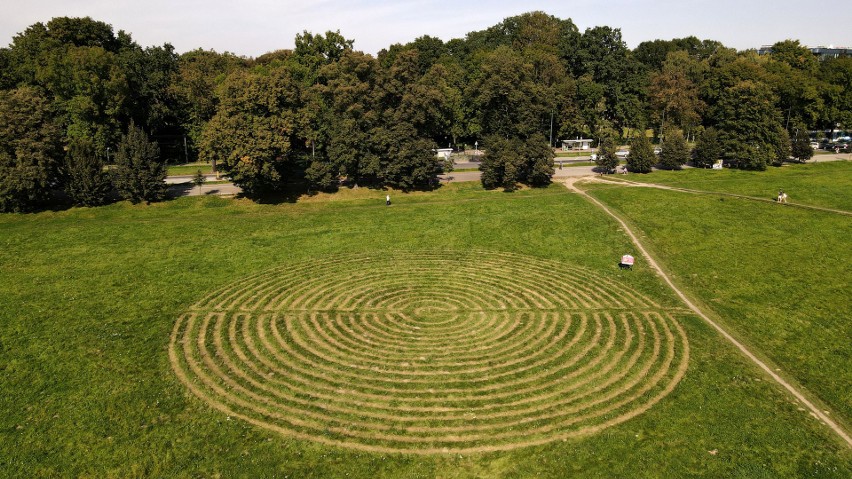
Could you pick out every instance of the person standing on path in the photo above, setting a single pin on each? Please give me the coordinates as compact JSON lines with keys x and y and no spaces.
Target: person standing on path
{"x":387,"y":200}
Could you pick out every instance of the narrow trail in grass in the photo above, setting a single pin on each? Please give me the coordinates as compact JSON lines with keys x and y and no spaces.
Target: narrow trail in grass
{"x":623,"y":182}
{"x":570,"y":183}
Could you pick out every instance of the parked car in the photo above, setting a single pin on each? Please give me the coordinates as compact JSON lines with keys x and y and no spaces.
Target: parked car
{"x":594,"y":157}
{"x":814,"y":145}
{"x":622,"y":153}
{"x":658,"y":150}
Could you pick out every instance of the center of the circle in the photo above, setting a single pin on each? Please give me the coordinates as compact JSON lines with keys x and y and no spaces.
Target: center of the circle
{"x":433,"y":313}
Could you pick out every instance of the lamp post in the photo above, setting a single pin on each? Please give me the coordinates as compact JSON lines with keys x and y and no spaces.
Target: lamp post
{"x":476,"y":148}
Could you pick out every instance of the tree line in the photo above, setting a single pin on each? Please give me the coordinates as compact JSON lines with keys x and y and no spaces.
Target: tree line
{"x":87,"y":111}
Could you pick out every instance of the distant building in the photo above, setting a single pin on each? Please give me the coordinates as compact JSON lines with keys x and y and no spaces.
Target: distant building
{"x":578,"y":144}
{"x":822,"y":52}
{"x":444,"y":153}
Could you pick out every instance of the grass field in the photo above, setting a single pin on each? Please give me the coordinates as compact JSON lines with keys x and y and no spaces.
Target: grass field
{"x":817,"y":184}
{"x":189,"y":169}
{"x":776,"y":274}
{"x":147,"y":341}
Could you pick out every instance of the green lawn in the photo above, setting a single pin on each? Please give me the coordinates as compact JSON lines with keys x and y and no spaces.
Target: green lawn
{"x":190,"y":169}
{"x":777,"y":276}
{"x":817,"y":184}
{"x":90,"y":297}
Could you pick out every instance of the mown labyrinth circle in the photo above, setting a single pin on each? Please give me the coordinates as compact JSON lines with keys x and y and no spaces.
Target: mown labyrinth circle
{"x":426,"y":353}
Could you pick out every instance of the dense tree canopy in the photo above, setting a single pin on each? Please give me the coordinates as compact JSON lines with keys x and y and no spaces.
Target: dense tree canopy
{"x":30,"y":148}
{"x":324,"y":114}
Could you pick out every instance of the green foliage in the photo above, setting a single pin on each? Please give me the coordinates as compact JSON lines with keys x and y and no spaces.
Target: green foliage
{"x":29,"y":149}
{"x":138,"y":173}
{"x":708,"y":149}
{"x":500,"y":164}
{"x":794,"y":54}
{"x":313,"y":51}
{"x":377,"y":127}
{"x":346,"y":112}
{"x":801,"y":145}
{"x":782,"y":147}
{"x":606,"y":158}
{"x":324,"y":113}
{"x":749,"y":125}
{"x":653,"y":53}
{"x":508,"y":100}
{"x":836,"y":92}
{"x":87,"y":184}
{"x":674,"y":94}
{"x":641,"y":158}
{"x":407,"y":162}
{"x":250,"y":136}
{"x":194,"y":87}
{"x":508,"y":162}
{"x":675,"y":151}
{"x":198,"y":179}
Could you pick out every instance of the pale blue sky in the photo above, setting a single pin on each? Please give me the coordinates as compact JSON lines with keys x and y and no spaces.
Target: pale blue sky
{"x":253,"y":27}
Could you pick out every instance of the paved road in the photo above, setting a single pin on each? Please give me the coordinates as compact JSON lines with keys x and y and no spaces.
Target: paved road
{"x":173,"y":180}
{"x":188,"y":189}
{"x":182,"y":185}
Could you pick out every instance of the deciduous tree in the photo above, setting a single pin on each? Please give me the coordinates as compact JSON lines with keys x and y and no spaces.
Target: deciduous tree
{"x":508,"y":162}
{"x":749,"y":125}
{"x":252,"y":133}
{"x":29,"y":149}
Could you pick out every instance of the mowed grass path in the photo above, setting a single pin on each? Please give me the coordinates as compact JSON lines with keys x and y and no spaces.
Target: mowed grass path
{"x":777,"y":276}
{"x":89,"y":299}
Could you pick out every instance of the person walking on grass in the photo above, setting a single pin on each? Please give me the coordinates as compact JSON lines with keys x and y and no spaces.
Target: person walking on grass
{"x":387,"y":200}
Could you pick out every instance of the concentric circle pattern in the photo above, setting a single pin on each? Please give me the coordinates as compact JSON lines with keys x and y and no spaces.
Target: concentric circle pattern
{"x":429,"y":352}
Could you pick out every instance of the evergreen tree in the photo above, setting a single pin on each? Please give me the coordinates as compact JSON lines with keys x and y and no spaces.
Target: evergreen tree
{"x":606,"y":158}
{"x":675,"y":152}
{"x":707,"y":149}
{"x":641,"y":157}
{"x":801,"y":145}
{"x":87,"y":184}
{"x":198,"y":179}
{"x":782,"y":146}
{"x":139,"y":175}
